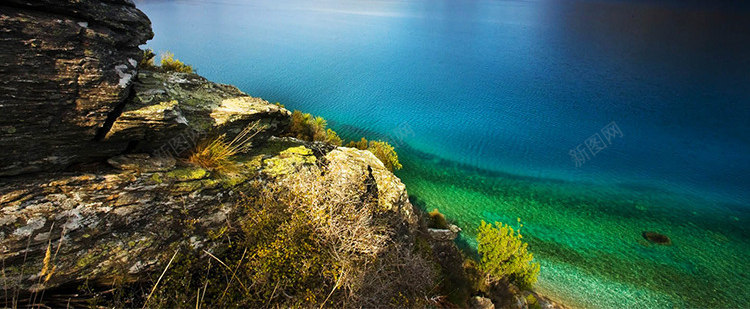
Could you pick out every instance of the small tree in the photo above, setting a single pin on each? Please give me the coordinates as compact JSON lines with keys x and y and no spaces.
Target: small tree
{"x":504,"y":255}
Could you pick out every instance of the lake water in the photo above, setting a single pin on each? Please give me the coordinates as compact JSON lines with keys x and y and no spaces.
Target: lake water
{"x":485,"y":100}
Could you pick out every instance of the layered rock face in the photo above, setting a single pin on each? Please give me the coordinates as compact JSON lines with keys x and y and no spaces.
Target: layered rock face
{"x":71,"y":93}
{"x":65,"y":67}
{"x":107,"y":223}
{"x":114,"y":219}
{"x":168,"y":112}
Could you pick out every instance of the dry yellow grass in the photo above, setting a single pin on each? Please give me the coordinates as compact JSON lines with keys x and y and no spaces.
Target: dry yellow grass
{"x":215,"y":154}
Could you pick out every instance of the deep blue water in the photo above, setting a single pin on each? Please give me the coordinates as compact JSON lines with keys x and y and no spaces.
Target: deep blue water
{"x":510,"y":87}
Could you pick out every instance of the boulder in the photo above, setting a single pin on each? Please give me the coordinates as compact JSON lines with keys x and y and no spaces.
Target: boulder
{"x":444,"y":235}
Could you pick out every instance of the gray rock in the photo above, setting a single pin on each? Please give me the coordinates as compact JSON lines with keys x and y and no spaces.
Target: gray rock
{"x":168,"y":113}
{"x":142,"y":162}
{"x":444,"y":235}
{"x":109,"y":223}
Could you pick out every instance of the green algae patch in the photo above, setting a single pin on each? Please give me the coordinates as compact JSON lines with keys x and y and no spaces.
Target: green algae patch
{"x":288,"y":160}
{"x":186,"y":174}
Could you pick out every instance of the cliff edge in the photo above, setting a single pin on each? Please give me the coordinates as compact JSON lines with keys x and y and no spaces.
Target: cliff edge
{"x":103,"y":201}
{"x":96,"y":190}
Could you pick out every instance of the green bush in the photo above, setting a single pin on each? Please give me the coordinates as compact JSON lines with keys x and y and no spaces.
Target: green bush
{"x":437,"y":220}
{"x":168,"y":63}
{"x":382,"y":150}
{"x":505,"y":256}
{"x":309,"y":128}
{"x":333,"y":138}
{"x":361,"y":145}
{"x":386,"y":154}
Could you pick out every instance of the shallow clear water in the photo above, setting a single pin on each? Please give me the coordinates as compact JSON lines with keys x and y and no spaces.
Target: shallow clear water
{"x":485,"y":99}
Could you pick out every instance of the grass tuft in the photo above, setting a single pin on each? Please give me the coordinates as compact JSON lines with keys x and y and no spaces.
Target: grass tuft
{"x":215,"y":154}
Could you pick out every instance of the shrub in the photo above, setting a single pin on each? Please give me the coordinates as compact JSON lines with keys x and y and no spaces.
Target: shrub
{"x":382,"y":150}
{"x":147,"y":59}
{"x":437,"y":220}
{"x":214,"y":154}
{"x":295,"y":262}
{"x":361,"y":145}
{"x":313,"y":129}
{"x":504,"y":255}
{"x":333,"y":138}
{"x":168,"y":63}
{"x":386,"y":154}
{"x":475,"y":276}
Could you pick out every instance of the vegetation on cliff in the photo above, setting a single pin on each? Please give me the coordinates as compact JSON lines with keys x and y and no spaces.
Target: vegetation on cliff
{"x":167,"y":63}
{"x":215,"y":154}
{"x":382,"y":150}
{"x":175,"y":215}
{"x":505,"y":256}
{"x":307,"y":127}
{"x":305,"y":240}
{"x":437,"y":220}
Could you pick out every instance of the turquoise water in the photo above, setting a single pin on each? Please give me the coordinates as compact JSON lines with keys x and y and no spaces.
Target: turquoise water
{"x":485,"y":100}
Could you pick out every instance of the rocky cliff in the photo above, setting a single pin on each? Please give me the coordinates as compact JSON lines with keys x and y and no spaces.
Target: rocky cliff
{"x":101,"y":205}
{"x":96,"y":190}
{"x":66,"y":67}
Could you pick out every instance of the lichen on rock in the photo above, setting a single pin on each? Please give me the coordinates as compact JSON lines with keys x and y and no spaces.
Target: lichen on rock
{"x":287,"y":161}
{"x":122,"y":220}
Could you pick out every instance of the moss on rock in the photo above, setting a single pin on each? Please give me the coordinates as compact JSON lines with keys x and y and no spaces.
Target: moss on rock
{"x":187,"y":173}
{"x":288,"y":160}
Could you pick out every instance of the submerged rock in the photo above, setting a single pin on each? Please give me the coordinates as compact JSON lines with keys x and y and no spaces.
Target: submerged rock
{"x":656,"y":238}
